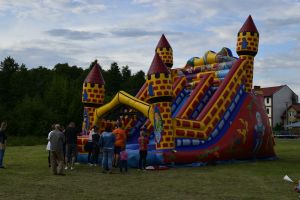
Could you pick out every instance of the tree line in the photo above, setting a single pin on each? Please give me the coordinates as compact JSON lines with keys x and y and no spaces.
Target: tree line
{"x":33,"y":99}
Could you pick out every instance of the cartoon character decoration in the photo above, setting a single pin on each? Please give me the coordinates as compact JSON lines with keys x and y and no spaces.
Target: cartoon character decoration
{"x":85,"y":95}
{"x":244,"y":44}
{"x":86,"y":121}
{"x":158,"y":125}
{"x":259,"y":131}
{"x":150,"y":90}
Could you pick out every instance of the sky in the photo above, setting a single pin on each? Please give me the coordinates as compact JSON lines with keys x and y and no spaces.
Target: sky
{"x":47,"y":32}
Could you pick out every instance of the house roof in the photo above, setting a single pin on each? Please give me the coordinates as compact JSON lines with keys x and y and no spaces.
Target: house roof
{"x":95,"y":75}
{"x":269,"y":91}
{"x":295,"y":106}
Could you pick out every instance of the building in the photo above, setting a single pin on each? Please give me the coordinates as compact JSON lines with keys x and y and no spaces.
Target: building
{"x":277,"y":100}
{"x":292,"y":115}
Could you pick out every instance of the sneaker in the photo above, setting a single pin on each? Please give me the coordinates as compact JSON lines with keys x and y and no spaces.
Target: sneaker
{"x":66,"y":168}
{"x":90,"y":164}
{"x":72,"y":168}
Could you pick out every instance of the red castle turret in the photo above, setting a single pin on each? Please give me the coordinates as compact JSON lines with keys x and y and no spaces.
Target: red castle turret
{"x":93,"y":93}
{"x":247,"y":47}
{"x":165,"y":51}
{"x":159,"y":83}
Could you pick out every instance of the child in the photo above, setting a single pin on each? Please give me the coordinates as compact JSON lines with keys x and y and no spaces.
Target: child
{"x":123,"y":160}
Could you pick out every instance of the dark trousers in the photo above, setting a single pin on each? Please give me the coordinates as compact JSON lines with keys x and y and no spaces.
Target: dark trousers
{"x":95,"y":154}
{"x":71,"y":151}
{"x":49,"y":160}
{"x":123,"y":165}
{"x":57,"y":162}
{"x":2,"y":151}
{"x":143,"y":159}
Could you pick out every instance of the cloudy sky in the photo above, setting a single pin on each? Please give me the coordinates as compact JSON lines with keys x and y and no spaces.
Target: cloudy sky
{"x":47,"y":32}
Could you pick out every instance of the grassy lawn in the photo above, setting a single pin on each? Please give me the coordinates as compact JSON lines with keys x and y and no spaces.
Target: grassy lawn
{"x":27,"y":177}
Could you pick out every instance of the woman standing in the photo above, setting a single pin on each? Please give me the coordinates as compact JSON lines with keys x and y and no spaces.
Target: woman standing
{"x":3,"y":139}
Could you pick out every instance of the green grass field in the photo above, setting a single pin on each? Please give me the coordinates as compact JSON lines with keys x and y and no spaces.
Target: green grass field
{"x":27,"y":177}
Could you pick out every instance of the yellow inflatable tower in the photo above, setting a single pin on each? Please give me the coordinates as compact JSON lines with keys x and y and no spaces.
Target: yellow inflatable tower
{"x":93,"y":93}
{"x":165,"y":52}
{"x":159,"y":83}
{"x":247,"y":47}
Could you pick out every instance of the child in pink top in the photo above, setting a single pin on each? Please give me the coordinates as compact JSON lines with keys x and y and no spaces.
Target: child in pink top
{"x":123,"y":160}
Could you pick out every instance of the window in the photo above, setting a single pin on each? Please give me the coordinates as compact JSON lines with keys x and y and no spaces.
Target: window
{"x":268,"y":101}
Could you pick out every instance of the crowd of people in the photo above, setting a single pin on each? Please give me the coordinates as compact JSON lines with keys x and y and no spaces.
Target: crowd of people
{"x":110,"y":144}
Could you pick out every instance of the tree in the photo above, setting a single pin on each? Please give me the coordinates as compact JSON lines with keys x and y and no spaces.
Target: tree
{"x":33,"y":99}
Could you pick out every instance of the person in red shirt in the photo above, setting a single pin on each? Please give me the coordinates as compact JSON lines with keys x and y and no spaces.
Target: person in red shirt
{"x":120,"y":143}
{"x":143,"y":147}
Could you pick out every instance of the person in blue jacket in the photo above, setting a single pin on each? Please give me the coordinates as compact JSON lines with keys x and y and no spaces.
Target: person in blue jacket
{"x":107,"y":143}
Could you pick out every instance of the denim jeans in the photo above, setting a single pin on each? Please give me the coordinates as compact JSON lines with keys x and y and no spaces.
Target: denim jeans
{"x":107,"y":159}
{"x":2,"y":151}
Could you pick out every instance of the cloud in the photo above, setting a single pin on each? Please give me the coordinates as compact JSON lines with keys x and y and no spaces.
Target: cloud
{"x":75,"y":35}
{"x":34,"y":57}
{"x":140,"y":33}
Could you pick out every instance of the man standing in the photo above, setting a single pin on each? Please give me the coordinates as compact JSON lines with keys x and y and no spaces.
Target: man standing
{"x":3,"y":139}
{"x":107,"y":143}
{"x":57,"y":140}
{"x":71,"y":144}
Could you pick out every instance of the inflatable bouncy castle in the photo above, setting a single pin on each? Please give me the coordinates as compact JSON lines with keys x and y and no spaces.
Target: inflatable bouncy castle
{"x":204,"y":112}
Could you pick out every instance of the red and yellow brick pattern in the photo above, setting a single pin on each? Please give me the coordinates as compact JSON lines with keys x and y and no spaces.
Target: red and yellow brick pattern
{"x":162,"y":85}
{"x":166,"y":55}
{"x":247,"y":41}
{"x":249,"y":71}
{"x":95,"y":93}
{"x":167,"y":141}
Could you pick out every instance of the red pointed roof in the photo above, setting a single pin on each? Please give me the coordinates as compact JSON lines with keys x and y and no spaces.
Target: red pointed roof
{"x":157,"y":66}
{"x":95,"y":75}
{"x":269,"y":91}
{"x":163,"y":42}
{"x":249,"y":26}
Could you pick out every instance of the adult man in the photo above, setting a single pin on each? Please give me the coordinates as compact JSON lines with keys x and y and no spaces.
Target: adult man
{"x":57,"y":140}
{"x":71,"y":144}
{"x":106,"y":142}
